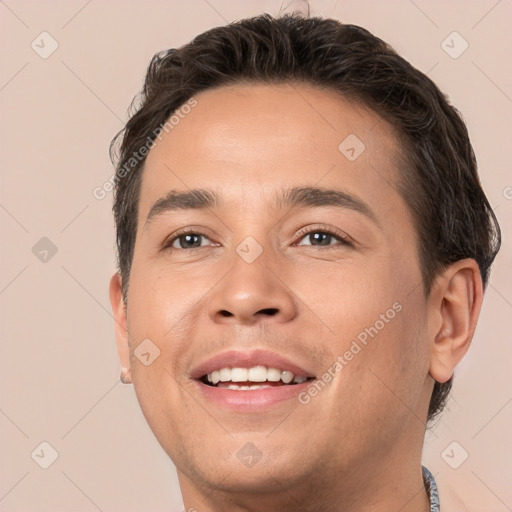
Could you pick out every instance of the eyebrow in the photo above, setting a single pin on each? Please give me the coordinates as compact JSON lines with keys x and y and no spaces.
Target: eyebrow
{"x":200,"y":199}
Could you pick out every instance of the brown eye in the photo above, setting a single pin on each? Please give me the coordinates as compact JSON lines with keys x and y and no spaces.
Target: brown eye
{"x":188,"y":240}
{"x":323,"y":238}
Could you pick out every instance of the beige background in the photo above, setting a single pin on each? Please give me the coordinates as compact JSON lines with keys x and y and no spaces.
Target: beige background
{"x":59,"y":369}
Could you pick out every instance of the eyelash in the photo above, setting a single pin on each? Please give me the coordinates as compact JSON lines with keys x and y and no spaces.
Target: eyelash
{"x":344,"y":239}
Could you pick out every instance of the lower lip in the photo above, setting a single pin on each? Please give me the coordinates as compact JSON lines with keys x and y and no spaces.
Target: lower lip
{"x":251,"y":400}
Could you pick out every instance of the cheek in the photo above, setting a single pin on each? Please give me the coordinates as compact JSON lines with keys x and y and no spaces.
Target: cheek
{"x":395,"y":360}
{"x":157,"y":312}
{"x":377,"y":312}
{"x":381,"y":385}
{"x":353,"y":296}
{"x":158,"y":300}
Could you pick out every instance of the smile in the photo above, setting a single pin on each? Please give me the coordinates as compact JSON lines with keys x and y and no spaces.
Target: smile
{"x":257,"y":377}
{"x":250,"y":381}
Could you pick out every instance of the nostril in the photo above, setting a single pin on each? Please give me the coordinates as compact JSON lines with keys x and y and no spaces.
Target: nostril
{"x":269,"y":311}
{"x":266,"y":311}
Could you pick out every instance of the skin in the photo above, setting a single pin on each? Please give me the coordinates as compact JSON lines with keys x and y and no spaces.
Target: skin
{"x":357,"y":444}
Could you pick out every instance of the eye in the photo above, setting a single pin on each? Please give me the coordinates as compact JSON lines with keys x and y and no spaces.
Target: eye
{"x":322,"y":237}
{"x":187,"y":240}
{"x":317,"y":237}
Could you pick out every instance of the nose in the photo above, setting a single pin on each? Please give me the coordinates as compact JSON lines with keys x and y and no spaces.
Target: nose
{"x":251,"y":293}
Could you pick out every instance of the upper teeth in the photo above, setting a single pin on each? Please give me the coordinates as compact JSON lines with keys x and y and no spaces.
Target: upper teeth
{"x":254,"y":374}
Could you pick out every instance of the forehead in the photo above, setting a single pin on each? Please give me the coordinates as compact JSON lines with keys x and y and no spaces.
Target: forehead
{"x":247,"y":141}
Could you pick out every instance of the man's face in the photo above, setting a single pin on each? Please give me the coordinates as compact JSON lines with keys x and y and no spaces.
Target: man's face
{"x":263,"y":283}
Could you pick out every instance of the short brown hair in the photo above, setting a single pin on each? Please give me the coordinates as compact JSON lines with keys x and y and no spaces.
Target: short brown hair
{"x":439,"y":180}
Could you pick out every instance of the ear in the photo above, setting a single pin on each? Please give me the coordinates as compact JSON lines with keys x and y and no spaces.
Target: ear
{"x":454,"y":307}
{"x":120,"y":325}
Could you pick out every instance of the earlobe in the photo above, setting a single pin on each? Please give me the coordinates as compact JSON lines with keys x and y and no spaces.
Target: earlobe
{"x":455,"y":304}
{"x":120,"y":326}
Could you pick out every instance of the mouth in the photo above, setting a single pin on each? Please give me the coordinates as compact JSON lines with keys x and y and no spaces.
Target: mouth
{"x":256,"y":377}
{"x":250,"y":381}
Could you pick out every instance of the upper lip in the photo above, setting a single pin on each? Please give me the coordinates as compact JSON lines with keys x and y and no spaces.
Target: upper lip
{"x":248,"y":359}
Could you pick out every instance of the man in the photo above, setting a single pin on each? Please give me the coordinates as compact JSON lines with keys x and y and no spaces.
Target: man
{"x":303,"y":246}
